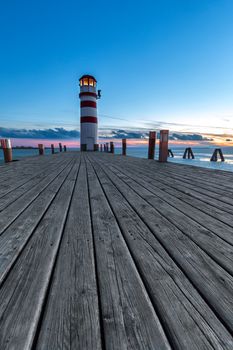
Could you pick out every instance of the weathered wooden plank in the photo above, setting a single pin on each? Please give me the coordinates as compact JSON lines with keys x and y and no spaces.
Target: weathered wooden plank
{"x":15,"y":193}
{"x":210,"y":279}
{"x":217,"y":248}
{"x":187,"y":178}
{"x":128,"y":317}
{"x":23,"y":172}
{"x":215,"y":176}
{"x":182,"y":310}
{"x":14,"y":238}
{"x":8,"y":215}
{"x":21,"y":175}
{"x":219,"y":204}
{"x":71,"y":319}
{"x":216,"y":190}
{"x":23,"y":294}
{"x":191,"y":208}
{"x":24,"y":166}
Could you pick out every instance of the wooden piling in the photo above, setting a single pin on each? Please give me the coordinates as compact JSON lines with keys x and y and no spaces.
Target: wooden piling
{"x":188,"y":153}
{"x":41,"y":149}
{"x":124,"y":147}
{"x":64,"y":148}
{"x":96,"y":147}
{"x":7,"y":150}
{"x":111,"y":147}
{"x":52,"y":148}
{"x":151,"y":145}
{"x":214,"y":157}
{"x":107,"y":147}
{"x":163,"y":145}
{"x":60,"y":147}
{"x":170,"y":153}
{"x":101,"y":148}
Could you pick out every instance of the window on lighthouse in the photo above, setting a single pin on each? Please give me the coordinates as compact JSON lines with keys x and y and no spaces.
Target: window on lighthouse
{"x":85,"y":81}
{"x":91,"y":82}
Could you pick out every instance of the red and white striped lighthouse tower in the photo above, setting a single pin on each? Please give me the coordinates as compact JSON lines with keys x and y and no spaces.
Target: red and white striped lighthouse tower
{"x":88,"y":109}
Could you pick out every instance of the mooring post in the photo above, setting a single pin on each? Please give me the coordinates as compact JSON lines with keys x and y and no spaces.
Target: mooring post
{"x":185,"y":153}
{"x":188,"y":152}
{"x":163,"y":145}
{"x":170,"y":153}
{"x":60,"y":147}
{"x":151,"y":145}
{"x":124,"y":147}
{"x":214,"y":157}
{"x":96,"y":147}
{"x":41,"y":149}
{"x":52,"y":148}
{"x":111,"y":147}
{"x":191,"y":155}
{"x":64,"y":148}
{"x":221,"y":155}
{"x":107,"y":147}
{"x":101,"y":148}
{"x":7,"y":150}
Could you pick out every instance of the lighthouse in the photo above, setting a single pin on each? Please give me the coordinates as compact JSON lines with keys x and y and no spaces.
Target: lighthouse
{"x":88,"y":112}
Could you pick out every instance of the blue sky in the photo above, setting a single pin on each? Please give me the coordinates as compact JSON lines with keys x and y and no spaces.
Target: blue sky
{"x":161,"y":63}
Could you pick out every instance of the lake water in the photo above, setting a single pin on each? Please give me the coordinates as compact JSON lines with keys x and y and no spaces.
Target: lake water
{"x":202,"y":156}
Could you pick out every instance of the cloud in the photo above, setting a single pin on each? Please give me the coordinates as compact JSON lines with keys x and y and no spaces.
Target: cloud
{"x":61,"y":133}
{"x":121,"y":133}
{"x":189,"y":137}
{"x":56,"y":133}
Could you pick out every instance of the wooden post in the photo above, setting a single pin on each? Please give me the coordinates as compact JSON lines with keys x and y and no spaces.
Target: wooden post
{"x":170,"y":153}
{"x":111,"y":147}
{"x":60,"y":147}
{"x":7,"y":150}
{"x":188,"y":152}
{"x":64,"y":148}
{"x":52,"y":148}
{"x":41,"y":149}
{"x":185,"y":153}
{"x":221,"y":155}
{"x":151,"y":146}
{"x":214,"y":157}
{"x":107,"y":147}
{"x":124,"y":147}
{"x":96,"y":147}
{"x":163,"y":145}
{"x":101,"y":148}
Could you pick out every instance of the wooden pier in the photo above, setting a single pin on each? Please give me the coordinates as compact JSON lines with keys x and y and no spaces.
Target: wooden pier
{"x":99,"y":251}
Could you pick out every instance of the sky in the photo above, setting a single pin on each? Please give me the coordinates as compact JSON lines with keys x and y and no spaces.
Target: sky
{"x":160,"y":64}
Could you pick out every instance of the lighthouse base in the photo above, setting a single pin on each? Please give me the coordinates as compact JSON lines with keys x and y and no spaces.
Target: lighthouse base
{"x":84,"y":148}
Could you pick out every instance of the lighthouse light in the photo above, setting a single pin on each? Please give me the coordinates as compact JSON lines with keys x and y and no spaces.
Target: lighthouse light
{"x":85,"y":81}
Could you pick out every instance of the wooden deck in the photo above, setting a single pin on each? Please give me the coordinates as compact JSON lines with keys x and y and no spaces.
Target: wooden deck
{"x":109,"y":252}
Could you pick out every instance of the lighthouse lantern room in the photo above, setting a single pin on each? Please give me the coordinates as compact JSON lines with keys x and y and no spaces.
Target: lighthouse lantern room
{"x":88,"y":110}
